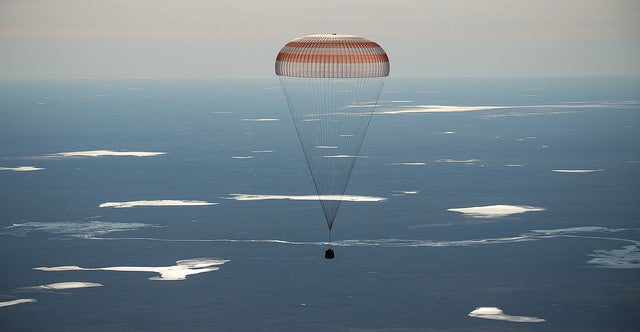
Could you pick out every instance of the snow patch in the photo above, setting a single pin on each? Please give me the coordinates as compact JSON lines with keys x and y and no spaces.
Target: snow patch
{"x":104,"y":153}
{"x":161,"y":202}
{"x":14,"y":302}
{"x":21,"y":169}
{"x":577,"y":170}
{"x":497,"y":314}
{"x":495,"y":211}
{"x":180,"y":271}
{"x":66,"y":285}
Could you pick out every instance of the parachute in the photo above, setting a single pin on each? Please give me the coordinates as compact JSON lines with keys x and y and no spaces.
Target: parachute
{"x":332,"y":84}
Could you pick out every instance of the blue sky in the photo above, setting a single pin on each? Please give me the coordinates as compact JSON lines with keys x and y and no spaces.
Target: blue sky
{"x":197,"y":39}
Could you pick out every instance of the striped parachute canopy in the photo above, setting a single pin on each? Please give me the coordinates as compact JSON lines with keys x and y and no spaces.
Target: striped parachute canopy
{"x":332,"y":56}
{"x":332,"y":84}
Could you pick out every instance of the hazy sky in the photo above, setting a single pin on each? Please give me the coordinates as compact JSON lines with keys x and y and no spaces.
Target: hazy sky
{"x":240,"y":38}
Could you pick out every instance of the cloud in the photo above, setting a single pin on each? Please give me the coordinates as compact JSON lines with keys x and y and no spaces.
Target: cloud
{"x":180,"y":271}
{"x":497,"y":314}
{"x":344,"y":156}
{"x":365,"y":105}
{"x":577,"y":170}
{"x":520,"y":114}
{"x":21,"y":169}
{"x":395,"y":101}
{"x":75,"y":229}
{"x":495,"y":211}
{"x":344,"y":198}
{"x":17,"y":301}
{"x":458,"y":161}
{"x":455,"y":109}
{"x":514,"y":165}
{"x":409,"y":164}
{"x":326,"y":147}
{"x":104,"y":153}
{"x":161,"y":202}
{"x":65,"y":285}
{"x":261,"y":120}
{"x":242,"y":157}
{"x":436,"y":109}
{"x":262,"y":151}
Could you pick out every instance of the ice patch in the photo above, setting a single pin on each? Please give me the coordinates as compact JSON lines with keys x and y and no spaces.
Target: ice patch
{"x":21,"y":169}
{"x":627,"y":257}
{"x":495,"y":211}
{"x":345,"y":198}
{"x":384,"y":243}
{"x":14,"y":302}
{"x":75,"y":229}
{"x":497,"y":314}
{"x":180,"y":271}
{"x":573,"y":230}
{"x":161,"y":202}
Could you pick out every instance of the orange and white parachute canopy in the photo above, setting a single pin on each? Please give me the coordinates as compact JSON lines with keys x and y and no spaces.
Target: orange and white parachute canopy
{"x":338,"y":56}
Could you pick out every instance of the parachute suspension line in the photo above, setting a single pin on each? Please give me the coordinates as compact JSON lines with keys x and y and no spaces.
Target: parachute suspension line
{"x":331,"y":117}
